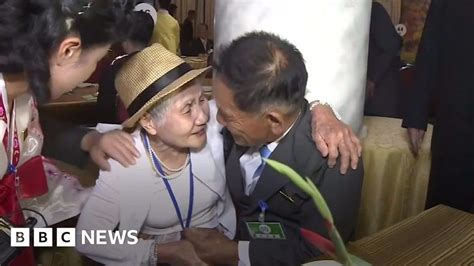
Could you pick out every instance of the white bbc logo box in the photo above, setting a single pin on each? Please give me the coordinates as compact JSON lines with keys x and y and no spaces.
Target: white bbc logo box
{"x":43,"y":237}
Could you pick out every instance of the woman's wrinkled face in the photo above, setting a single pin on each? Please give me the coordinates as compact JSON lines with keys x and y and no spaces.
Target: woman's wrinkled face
{"x":185,"y":120}
{"x":73,"y":68}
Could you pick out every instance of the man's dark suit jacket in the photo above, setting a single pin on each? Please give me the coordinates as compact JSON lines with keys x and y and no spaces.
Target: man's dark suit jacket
{"x":196,"y":47}
{"x":297,"y":150}
{"x":186,"y":32}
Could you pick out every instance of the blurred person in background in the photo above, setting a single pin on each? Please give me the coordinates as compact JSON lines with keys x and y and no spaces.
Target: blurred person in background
{"x":383,"y":91}
{"x":109,"y":107}
{"x":200,"y":45}
{"x":172,"y":10}
{"x":166,"y":31}
{"x":187,"y":30}
{"x":444,"y":65}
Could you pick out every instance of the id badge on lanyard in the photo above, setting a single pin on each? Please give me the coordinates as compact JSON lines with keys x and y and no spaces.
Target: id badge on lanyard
{"x":263,"y":229}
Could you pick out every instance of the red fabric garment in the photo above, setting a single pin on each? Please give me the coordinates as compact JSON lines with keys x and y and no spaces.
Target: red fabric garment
{"x":9,"y":203}
{"x":10,"y":208}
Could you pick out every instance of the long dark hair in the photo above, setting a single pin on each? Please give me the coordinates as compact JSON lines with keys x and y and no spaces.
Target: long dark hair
{"x":30,"y":30}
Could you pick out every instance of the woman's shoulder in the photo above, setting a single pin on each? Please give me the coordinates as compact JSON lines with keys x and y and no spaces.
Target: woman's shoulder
{"x":118,"y":171}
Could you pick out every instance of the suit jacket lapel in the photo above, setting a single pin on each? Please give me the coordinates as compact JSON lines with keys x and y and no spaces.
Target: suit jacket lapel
{"x":270,"y":181}
{"x":234,"y":174}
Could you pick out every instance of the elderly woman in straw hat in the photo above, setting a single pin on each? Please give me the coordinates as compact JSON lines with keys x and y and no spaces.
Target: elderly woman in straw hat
{"x":177,"y":183}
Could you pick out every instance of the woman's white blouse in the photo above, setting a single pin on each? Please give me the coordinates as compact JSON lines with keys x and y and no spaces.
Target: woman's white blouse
{"x":135,"y":198}
{"x":162,"y":218}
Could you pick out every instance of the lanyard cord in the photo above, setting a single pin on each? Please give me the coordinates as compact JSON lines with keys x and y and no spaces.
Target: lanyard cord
{"x":159,"y":169}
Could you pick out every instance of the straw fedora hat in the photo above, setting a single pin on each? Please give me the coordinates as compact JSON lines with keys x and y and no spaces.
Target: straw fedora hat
{"x":149,"y":76}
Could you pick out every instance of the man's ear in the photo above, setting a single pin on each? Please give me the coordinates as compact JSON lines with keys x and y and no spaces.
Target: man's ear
{"x":146,"y":122}
{"x":69,"y":51}
{"x":276,"y":120}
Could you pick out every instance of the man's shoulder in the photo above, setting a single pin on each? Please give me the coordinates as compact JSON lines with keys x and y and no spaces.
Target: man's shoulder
{"x":299,"y":144}
{"x":307,"y":154}
{"x":172,"y":20}
{"x":309,"y":159}
{"x":164,"y":17}
{"x":301,"y":138}
{"x":187,"y":22}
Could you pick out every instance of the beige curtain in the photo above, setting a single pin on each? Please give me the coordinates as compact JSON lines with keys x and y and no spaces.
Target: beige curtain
{"x":183,"y":7}
{"x":208,"y":16}
{"x":394,"y":8}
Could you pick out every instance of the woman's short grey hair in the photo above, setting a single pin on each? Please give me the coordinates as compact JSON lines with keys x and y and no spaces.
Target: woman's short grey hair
{"x":158,"y":111}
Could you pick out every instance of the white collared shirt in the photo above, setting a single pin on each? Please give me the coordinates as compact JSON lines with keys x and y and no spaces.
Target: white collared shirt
{"x":204,"y":43}
{"x":251,"y":160}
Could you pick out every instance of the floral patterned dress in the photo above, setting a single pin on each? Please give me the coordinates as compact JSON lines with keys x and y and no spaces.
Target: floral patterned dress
{"x":65,"y":196}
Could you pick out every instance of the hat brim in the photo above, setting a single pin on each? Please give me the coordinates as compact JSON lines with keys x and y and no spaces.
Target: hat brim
{"x":175,"y":85}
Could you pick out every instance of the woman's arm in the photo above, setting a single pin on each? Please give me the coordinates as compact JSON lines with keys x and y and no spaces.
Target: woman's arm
{"x":101,"y":212}
{"x":75,"y":145}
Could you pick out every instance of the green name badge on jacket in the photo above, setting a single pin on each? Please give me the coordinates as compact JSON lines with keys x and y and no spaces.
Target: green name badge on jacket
{"x":259,"y":230}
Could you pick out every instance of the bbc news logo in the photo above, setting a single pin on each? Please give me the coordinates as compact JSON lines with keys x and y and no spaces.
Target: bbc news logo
{"x":66,"y":237}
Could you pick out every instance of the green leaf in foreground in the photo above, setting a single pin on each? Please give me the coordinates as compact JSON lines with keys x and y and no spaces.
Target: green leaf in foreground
{"x":308,"y":187}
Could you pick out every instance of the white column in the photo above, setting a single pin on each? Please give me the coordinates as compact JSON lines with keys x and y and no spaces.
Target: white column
{"x":331,"y":34}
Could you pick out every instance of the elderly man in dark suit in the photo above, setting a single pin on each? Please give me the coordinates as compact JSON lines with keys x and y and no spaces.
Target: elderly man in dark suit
{"x":200,"y":45}
{"x":259,"y":91}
